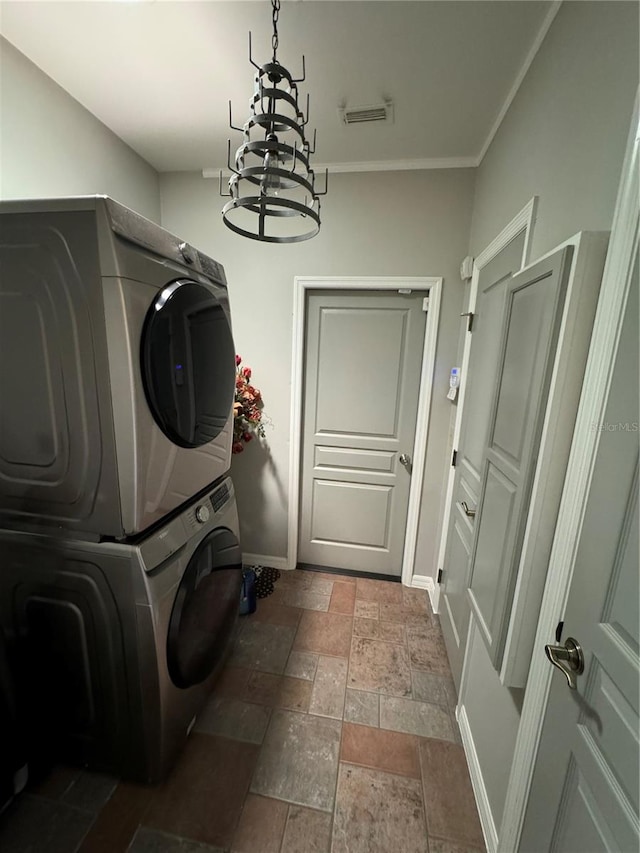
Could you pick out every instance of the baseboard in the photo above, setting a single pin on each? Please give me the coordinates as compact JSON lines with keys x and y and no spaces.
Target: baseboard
{"x":428,"y":583}
{"x":280,"y":563}
{"x":477,"y":782}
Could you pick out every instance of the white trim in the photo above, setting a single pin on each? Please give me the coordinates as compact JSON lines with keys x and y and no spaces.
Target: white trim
{"x":265,"y":560}
{"x":477,"y":782}
{"x":597,"y":379}
{"x":295,"y":426}
{"x":424,"y":582}
{"x":392,"y":283}
{"x":422,"y":429}
{"x":522,"y":221}
{"x":513,"y":91}
{"x":417,"y":164}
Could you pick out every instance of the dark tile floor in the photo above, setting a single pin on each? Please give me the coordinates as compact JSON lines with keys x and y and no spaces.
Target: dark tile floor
{"x":331,"y":730}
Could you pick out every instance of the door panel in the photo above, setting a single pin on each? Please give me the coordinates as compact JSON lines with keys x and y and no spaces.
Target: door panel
{"x":374,"y":461}
{"x":457,"y":580}
{"x":493,"y":547}
{"x":350,"y":514}
{"x":535,"y":300}
{"x":530,"y":318}
{"x":584,"y":793}
{"x":480,"y":384}
{"x":363,"y":359}
{"x":483,"y":362}
{"x":456,"y":606}
{"x":359,"y":348}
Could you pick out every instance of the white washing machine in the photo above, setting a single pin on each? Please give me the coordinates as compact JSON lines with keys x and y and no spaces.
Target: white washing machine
{"x":115,"y":646}
{"x":117,"y":369}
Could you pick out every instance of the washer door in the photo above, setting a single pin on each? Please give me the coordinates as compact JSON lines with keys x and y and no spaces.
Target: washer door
{"x":205,"y":609}
{"x":188,"y":363}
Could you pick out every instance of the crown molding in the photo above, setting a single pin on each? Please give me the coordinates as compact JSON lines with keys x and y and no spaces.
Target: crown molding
{"x":401,"y":165}
{"x":471,"y":162}
{"x":379,"y":166}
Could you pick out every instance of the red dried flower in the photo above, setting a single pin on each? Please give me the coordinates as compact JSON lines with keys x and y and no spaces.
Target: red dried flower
{"x":247,"y":409}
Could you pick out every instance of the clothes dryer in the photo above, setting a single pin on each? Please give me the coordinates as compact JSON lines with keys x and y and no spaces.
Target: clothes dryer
{"x":117,"y":368}
{"x":116,"y":646}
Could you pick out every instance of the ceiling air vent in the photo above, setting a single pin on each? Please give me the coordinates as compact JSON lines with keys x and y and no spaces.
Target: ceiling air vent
{"x":358,"y":115}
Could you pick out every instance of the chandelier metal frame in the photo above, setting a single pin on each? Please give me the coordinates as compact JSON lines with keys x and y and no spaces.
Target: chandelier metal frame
{"x":271,"y":176}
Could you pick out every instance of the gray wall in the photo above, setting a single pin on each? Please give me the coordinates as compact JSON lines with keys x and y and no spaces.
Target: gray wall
{"x":383,"y":223}
{"x":563,"y":137}
{"x":563,"y":140}
{"x":50,"y":145}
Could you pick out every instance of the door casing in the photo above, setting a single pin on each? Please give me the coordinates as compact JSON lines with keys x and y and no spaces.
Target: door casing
{"x":302,"y":284}
{"x":522,"y":221}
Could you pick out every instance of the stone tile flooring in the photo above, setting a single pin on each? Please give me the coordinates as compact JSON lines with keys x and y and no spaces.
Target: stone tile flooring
{"x":331,"y":730}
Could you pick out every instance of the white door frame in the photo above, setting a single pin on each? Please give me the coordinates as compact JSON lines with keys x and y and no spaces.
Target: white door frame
{"x":390,"y":283}
{"x":597,"y":379}
{"x":522,"y":221}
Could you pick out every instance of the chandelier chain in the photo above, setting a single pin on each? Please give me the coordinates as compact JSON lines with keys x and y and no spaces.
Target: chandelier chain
{"x":275,"y":4}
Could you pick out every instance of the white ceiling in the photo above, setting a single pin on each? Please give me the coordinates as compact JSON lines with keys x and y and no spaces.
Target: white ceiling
{"x":160,"y":73}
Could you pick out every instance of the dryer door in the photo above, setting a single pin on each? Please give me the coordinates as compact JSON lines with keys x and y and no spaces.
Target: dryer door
{"x":188,"y":362}
{"x":205,"y":609}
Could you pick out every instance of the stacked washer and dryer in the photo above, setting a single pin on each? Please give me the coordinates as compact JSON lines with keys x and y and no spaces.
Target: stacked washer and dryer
{"x":120,"y":564}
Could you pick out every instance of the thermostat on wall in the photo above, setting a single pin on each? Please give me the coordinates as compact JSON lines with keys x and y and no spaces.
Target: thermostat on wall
{"x":454,"y":383}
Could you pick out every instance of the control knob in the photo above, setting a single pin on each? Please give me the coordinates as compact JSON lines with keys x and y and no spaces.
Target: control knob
{"x":186,"y":252}
{"x":202,"y":513}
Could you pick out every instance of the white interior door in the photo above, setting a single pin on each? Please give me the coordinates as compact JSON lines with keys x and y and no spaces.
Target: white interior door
{"x":584,"y":794}
{"x":363,"y":356}
{"x":483,"y":368}
{"x":533,"y":315}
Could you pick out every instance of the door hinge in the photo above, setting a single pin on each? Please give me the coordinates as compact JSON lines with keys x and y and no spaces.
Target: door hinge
{"x":425,"y":303}
{"x":439,"y":576}
{"x":454,"y":458}
{"x":469,"y":315}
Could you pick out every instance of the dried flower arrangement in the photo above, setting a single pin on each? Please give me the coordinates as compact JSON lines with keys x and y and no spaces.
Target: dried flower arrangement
{"x":247,"y":409}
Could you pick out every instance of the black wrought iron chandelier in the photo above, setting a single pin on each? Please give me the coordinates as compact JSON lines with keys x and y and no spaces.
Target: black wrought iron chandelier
{"x":272,"y":189}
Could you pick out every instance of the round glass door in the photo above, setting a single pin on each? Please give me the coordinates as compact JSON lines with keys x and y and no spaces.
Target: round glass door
{"x":188,"y":363}
{"x":205,"y":609}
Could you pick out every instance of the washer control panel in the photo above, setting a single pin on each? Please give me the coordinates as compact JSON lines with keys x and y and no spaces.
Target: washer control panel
{"x":164,"y":542}
{"x":220,"y":497}
{"x":202,"y":513}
